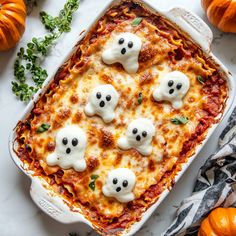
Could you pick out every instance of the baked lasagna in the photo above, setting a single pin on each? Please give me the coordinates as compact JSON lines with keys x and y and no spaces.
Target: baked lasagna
{"x":121,"y":116}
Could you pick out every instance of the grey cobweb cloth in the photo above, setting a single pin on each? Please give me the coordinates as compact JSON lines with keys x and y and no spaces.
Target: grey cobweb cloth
{"x":215,"y":186}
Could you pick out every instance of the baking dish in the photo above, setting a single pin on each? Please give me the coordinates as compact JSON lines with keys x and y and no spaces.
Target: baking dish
{"x":52,"y":204}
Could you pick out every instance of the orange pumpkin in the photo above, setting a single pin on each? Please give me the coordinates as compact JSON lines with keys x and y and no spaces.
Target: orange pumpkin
{"x":220,"y":222}
{"x":12,"y":22}
{"x":221,"y":13}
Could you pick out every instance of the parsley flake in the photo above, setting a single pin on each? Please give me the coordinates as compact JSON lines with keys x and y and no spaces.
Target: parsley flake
{"x":200,"y":79}
{"x":94,"y":177}
{"x":140,"y":98}
{"x":42,"y":128}
{"x":136,"y":21}
{"x":92,"y":183}
{"x":180,"y":120}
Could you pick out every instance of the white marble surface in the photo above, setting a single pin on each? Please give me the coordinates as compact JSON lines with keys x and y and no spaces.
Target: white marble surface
{"x":18,"y":214}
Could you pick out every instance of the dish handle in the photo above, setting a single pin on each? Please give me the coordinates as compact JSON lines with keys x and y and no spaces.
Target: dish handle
{"x":53,"y":205}
{"x":193,"y":25}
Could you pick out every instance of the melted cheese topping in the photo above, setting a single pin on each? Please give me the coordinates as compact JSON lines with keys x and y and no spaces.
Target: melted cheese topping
{"x":163,"y":50}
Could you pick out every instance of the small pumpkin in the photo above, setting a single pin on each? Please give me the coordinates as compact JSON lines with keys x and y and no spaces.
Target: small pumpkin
{"x":221,"y":13}
{"x":12,"y":22}
{"x":220,"y":222}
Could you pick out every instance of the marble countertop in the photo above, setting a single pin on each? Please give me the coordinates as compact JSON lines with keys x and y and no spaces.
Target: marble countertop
{"x":19,"y":215}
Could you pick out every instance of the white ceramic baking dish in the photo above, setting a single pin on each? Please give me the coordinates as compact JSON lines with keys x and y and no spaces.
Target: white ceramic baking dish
{"x":56,"y":207}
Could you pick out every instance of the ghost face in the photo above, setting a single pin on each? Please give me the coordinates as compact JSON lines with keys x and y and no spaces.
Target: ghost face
{"x":102,"y":101}
{"x":119,"y":184}
{"x":139,"y":136}
{"x":70,"y":141}
{"x":124,"y":49}
{"x":70,"y":146}
{"x":173,"y":87}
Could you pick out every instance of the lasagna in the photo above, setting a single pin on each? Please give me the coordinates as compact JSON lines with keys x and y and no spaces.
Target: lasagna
{"x":121,"y":116}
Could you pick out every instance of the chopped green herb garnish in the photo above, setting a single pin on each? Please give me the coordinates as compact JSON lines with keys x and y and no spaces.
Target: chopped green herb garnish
{"x":180,"y":120}
{"x":94,"y":177}
{"x":140,"y":98}
{"x":136,"y":21}
{"x":92,"y":183}
{"x":42,"y":128}
{"x":29,"y":59}
{"x":200,"y":79}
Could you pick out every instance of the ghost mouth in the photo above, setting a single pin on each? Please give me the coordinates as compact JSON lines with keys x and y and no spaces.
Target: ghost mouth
{"x":68,"y":151}
{"x":138,"y":138}
{"x":102,"y":104}
{"x":118,"y":189}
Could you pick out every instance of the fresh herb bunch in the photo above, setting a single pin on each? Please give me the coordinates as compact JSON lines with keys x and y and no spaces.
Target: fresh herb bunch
{"x":28,"y":60}
{"x":63,"y":21}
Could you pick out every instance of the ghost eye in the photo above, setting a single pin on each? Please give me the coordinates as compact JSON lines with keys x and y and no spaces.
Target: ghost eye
{"x":125,"y":183}
{"x":135,"y":131}
{"x":170,"y":83}
{"x":179,"y":86}
{"x":144,"y":133}
{"x":108,"y":98}
{"x":64,"y":141}
{"x":121,"y":41}
{"x":115,"y":181}
{"x":74,"y":142}
{"x":130,"y":44}
{"x":98,"y":95}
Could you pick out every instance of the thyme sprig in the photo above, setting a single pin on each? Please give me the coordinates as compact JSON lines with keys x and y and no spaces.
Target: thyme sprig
{"x":63,"y":21}
{"x":29,"y":59}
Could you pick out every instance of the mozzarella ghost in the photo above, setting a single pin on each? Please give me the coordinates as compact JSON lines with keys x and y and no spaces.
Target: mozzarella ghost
{"x":69,"y":152}
{"x":102,"y":101}
{"x":139,"y":136}
{"x":173,"y":87}
{"x":119,"y":184}
{"x":124,"y":49}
